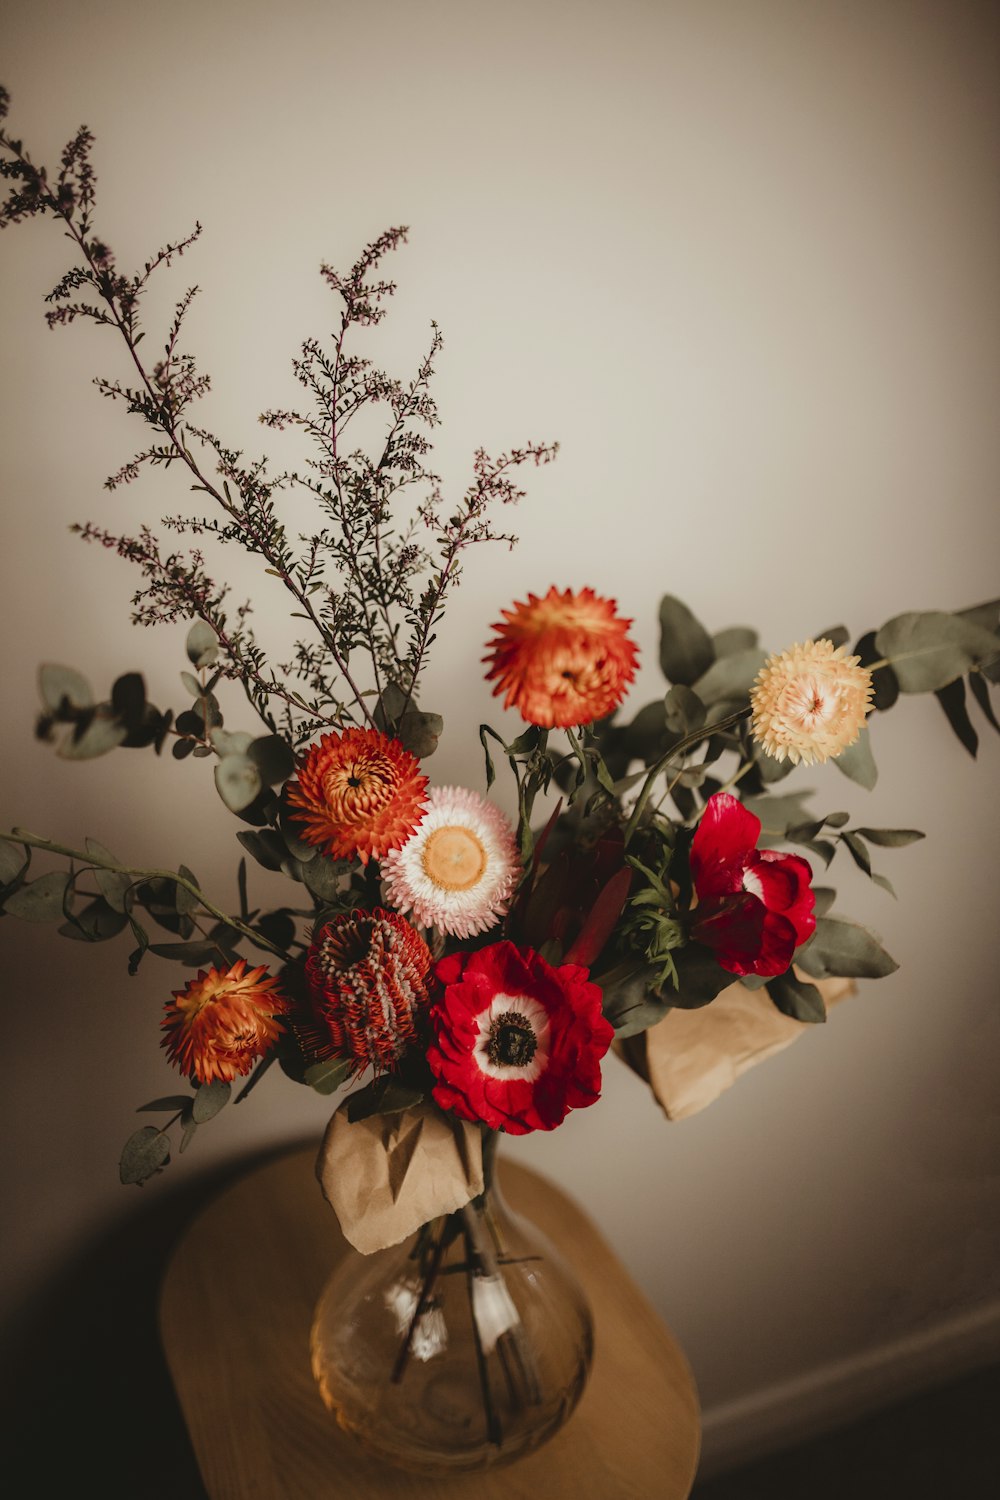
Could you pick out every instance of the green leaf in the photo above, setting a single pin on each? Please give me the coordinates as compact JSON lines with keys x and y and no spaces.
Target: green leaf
{"x":884,"y":683}
{"x":327,"y":1077}
{"x":684,"y":711}
{"x":384,"y":1096}
{"x":112,"y":886}
{"x":291,"y":832}
{"x":56,"y":684}
{"x":40,"y":900}
{"x":780,"y":811}
{"x":837,"y":636}
{"x":952,"y":700}
{"x":322,"y":876}
{"x":632,"y":1005}
{"x":795,"y":998}
{"x":736,"y":638}
{"x":419,"y":733}
{"x":128,"y":699}
{"x":981,"y":693}
{"x":238,"y":781}
{"x":929,"y":649}
{"x":858,"y":762}
{"x":209,"y":1099}
{"x":183,"y":898}
{"x":844,"y":949}
{"x":891,"y":838}
{"x":96,"y":923}
{"x":102,"y":734}
{"x":202,"y":646}
{"x":824,"y":897}
{"x":191,"y":684}
{"x":278,"y":927}
{"x":686,"y":650}
{"x":237,"y":742}
{"x":699,"y":977}
{"x":13,"y":862}
{"x":273,"y":757}
{"x":730,"y":679}
{"x":188,"y":1128}
{"x":267,"y":847}
{"x":146,"y":1153}
{"x":390,"y":705}
{"x":857,"y":851}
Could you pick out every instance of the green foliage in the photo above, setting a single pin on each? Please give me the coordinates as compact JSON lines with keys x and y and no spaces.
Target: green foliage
{"x":796,"y":998}
{"x":844,"y":949}
{"x":686,"y":649}
{"x":929,"y":649}
{"x":858,"y":762}
{"x":146,"y":1153}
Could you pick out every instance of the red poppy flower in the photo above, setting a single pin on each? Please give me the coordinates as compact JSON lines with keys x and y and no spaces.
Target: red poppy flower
{"x":562,"y":660}
{"x":755,"y":906}
{"x":517,"y":1043}
{"x":358,"y":792}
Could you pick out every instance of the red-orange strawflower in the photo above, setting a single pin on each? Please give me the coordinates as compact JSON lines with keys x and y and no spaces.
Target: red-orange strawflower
{"x":367,"y":977}
{"x":357,"y":793}
{"x":563,"y":660}
{"x":222,"y":1022}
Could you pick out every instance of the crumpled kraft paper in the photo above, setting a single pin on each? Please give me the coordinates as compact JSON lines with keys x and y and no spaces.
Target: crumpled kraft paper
{"x":692,"y":1056}
{"x":388,"y":1174}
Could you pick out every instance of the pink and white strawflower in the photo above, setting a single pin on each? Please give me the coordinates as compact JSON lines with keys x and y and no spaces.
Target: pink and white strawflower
{"x":458,"y":870}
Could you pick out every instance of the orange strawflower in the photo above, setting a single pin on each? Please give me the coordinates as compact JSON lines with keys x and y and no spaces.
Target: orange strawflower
{"x":809,"y":703}
{"x":358,"y":792}
{"x":222,"y":1022}
{"x":562,"y":660}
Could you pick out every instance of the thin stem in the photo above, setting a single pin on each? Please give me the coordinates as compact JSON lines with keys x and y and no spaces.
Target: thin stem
{"x":472,"y":1261}
{"x":423,"y":1301}
{"x":670,"y":755}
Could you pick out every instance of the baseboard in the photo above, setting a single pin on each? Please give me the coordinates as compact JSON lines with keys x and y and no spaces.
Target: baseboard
{"x":737,"y":1432}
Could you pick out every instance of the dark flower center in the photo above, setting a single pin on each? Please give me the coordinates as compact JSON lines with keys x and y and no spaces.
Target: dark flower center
{"x":512,"y":1042}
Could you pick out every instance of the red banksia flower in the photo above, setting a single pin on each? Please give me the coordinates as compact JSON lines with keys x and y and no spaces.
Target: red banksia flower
{"x":755,"y":906}
{"x":517,"y":1043}
{"x":562,"y":660}
{"x":366,"y":973}
{"x":357,"y":793}
{"x":222,"y":1022}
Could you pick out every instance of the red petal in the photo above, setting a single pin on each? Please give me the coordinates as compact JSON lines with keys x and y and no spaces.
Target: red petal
{"x":785,"y":882}
{"x":722,"y":845}
{"x":747,"y":938}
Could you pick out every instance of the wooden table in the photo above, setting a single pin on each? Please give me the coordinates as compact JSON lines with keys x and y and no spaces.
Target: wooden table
{"x":235,"y":1311}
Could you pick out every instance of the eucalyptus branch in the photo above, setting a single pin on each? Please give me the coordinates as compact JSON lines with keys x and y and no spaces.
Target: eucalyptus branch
{"x":34,"y":841}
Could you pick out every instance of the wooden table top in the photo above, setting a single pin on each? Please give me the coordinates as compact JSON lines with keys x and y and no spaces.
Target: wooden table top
{"x":235,"y":1311}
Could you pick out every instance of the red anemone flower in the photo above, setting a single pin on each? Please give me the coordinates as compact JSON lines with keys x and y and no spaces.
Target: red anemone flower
{"x":755,"y":906}
{"x":517,"y":1043}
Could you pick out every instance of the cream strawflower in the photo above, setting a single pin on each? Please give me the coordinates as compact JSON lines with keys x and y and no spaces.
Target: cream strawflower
{"x":810,"y":703}
{"x":458,"y":871}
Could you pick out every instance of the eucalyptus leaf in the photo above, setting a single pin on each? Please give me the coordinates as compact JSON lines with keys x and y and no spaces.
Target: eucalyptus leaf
{"x":189,"y":1128}
{"x":209,"y":1099}
{"x":837,"y":636}
{"x":700,"y":977}
{"x":185,"y":901}
{"x":146,"y":1153}
{"x":322,"y":876}
{"x":112,"y":885}
{"x":686,"y":650}
{"x":797,"y":998}
{"x":195,"y":954}
{"x":327,"y":1077}
{"x":273,"y":757}
{"x":843,"y":949}
{"x":168,"y":1104}
{"x":952,"y":700}
{"x":102,"y":734}
{"x":884,"y":682}
{"x":13,"y":862}
{"x":730,"y":679}
{"x":981,"y":693}
{"x":384,"y":1096}
{"x":858,"y":852}
{"x":59,"y":684}
{"x":891,"y":838}
{"x":128,"y":699}
{"x":201,"y":645}
{"x":419,"y":733}
{"x":631,"y":1004}
{"x":238,"y":781}
{"x":39,"y":900}
{"x":684,"y":710}
{"x":267,"y":847}
{"x":928,"y":649}
{"x":824,"y":897}
{"x":858,"y":762}
{"x":736,"y":638}
{"x":226,"y":742}
{"x":96,"y":923}
{"x":191,"y":684}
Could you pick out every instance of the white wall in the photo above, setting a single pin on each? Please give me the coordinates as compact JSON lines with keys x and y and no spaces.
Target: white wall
{"x":740,"y":260}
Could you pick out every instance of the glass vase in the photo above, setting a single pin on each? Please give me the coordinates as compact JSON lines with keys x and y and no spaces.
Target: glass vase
{"x":465,"y":1348}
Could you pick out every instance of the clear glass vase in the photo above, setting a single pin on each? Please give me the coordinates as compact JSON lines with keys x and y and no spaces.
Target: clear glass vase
{"x":465,"y":1348}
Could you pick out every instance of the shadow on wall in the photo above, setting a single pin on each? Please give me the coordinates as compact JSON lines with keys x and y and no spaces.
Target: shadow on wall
{"x":86,"y":1393}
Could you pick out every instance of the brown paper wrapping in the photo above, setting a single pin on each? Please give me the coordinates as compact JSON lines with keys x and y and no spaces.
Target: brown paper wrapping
{"x":692,"y":1056}
{"x":387,"y":1175}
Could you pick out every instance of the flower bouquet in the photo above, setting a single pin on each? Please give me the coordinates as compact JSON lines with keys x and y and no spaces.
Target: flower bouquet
{"x":450,"y":974}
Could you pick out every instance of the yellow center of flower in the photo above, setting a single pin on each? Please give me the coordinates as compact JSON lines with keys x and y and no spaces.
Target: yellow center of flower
{"x":453,"y":858}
